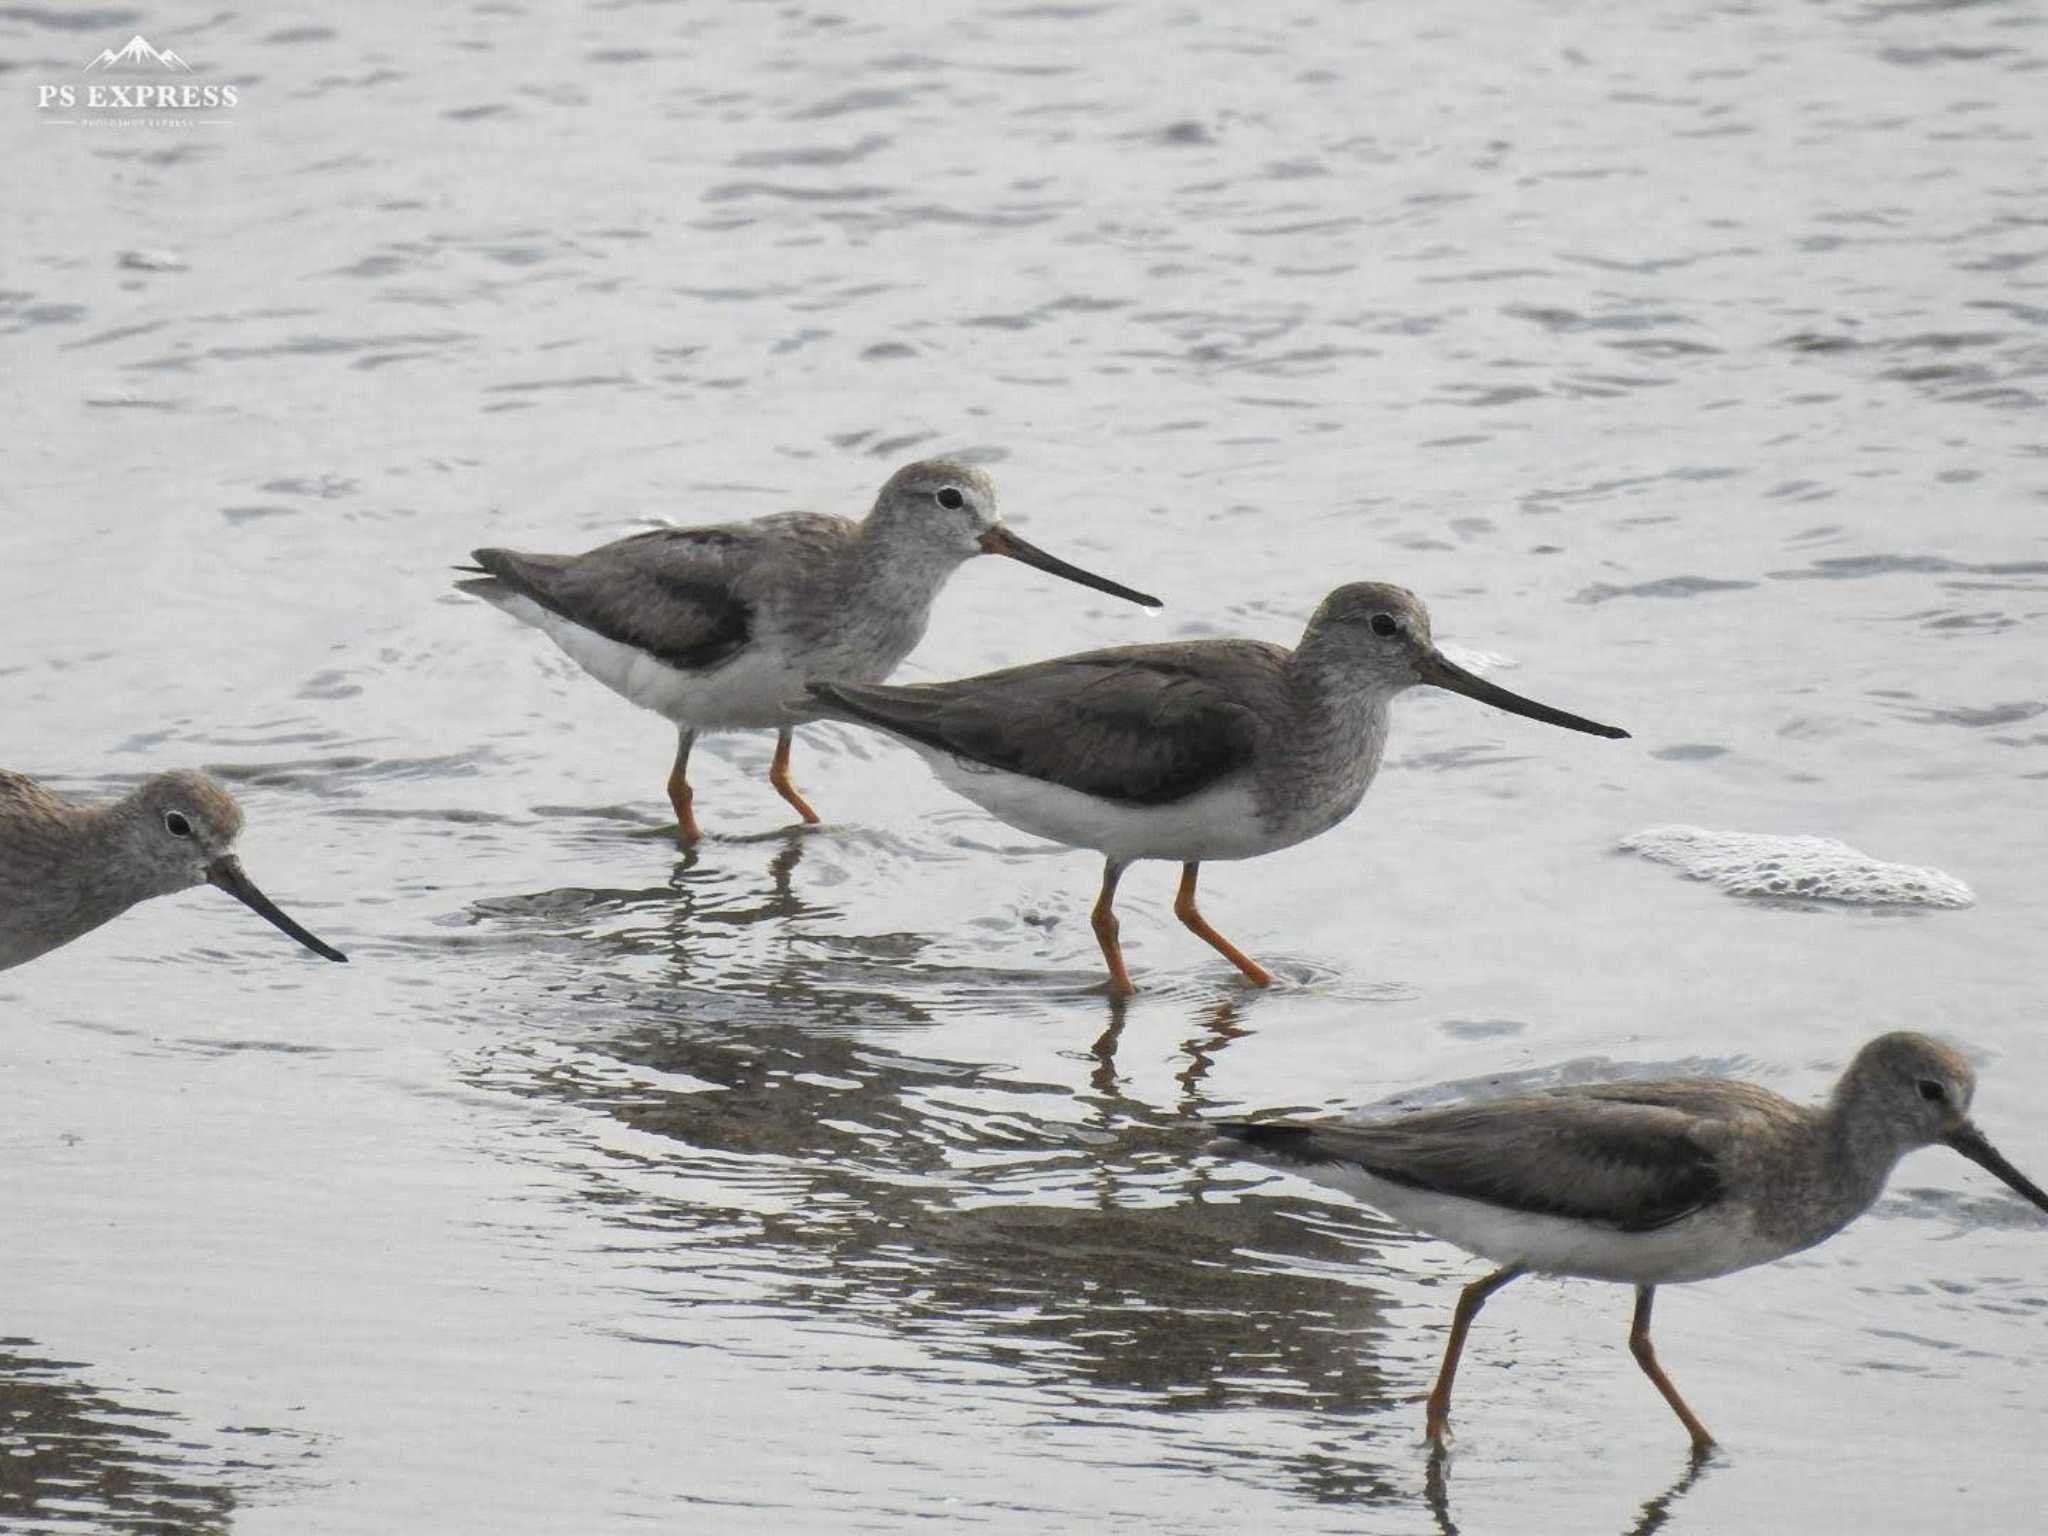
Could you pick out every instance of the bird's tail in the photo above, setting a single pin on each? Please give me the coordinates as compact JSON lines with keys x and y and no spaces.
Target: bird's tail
{"x":1271,"y":1140}
{"x":882,"y":707}
{"x":833,"y":701}
{"x":487,"y":576}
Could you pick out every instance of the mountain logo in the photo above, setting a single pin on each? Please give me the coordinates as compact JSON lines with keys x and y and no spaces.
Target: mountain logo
{"x":138,"y":85}
{"x":138,"y":51}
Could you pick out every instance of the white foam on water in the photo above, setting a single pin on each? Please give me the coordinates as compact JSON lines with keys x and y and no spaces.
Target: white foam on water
{"x":1798,"y":868}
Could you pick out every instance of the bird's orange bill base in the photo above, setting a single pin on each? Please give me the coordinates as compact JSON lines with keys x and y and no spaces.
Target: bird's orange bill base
{"x":1000,"y":541}
{"x":1440,"y":671}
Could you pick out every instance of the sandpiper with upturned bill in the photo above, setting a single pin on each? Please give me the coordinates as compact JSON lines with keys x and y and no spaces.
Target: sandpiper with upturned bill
{"x":719,"y":627}
{"x":1192,"y":750}
{"x":67,"y":866}
{"x":1648,"y":1183}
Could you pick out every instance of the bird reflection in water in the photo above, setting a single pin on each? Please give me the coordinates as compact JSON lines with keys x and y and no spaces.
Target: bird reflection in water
{"x":800,"y":1136}
{"x":1436,"y":1493}
{"x":1220,"y":1022}
{"x":710,"y":917}
{"x":71,"y":1455}
{"x":797,"y":1118}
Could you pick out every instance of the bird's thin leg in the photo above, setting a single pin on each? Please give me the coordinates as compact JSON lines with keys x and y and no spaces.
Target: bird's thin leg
{"x":1104,"y":920}
{"x":680,"y":794}
{"x":1646,"y":1356}
{"x":778,"y":775}
{"x":1470,"y":1300}
{"x":1185,"y":909}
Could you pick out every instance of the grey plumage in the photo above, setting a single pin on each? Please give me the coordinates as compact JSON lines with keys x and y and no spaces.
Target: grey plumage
{"x":68,"y":866}
{"x":718,"y":627}
{"x":1626,"y":1156}
{"x":1149,"y":725}
{"x":1193,"y":751}
{"x":1642,"y":1182}
{"x":693,"y":598}
{"x":1139,"y":724}
{"x":675,"y":593}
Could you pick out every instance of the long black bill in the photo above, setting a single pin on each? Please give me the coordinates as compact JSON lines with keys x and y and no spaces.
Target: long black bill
{"x":1969,"y":1141}
{"x":227,"y":873}
{"x":1000,"y":541}
{"x":1443,"y":673}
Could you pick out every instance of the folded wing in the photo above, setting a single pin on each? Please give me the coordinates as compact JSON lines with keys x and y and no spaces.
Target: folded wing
{"x":1146,"y":725}
{"x":674,"y":593}
{"x":1633,"y":1163}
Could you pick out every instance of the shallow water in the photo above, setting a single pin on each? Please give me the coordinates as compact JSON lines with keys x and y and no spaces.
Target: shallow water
{"x":1688,"y":363}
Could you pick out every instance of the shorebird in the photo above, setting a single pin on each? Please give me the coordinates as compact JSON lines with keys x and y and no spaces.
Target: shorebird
{"x":718,"y":627}
{"x":1192,"y":750}
{"x":66,"y":866}
{"x":1646,"y":1183}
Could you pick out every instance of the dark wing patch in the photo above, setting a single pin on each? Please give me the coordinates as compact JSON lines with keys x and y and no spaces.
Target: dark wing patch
{"x":1276,"y":1138}
{"x":1631,"y":1167}
{"x":1145,"y":725}
{"x":668,"y":592}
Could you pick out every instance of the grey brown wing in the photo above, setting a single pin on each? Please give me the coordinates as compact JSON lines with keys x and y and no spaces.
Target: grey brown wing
{"x":671,"y":592}
{"x":1146,"y":725}
{"x":1626,"y":1165}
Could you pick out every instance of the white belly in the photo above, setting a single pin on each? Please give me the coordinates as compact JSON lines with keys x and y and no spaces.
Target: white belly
{"x":1218,"y":823}
{"x":1714,"y":1242}
{"x":749,"y":690}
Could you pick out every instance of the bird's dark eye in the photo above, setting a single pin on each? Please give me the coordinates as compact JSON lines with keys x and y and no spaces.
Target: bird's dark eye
{"x":176,"y":824}
{"x":950,"y":499}
{"x":1932,"y":1091}
{"x":1385,"y":624}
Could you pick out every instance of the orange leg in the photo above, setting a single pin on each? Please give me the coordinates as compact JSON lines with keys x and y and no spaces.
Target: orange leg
{"x":1104,"y":921}
{"x":680,"y":794}
{"x":1646,"y":1357}
{"x":778,"y":775}
{"x":1184,"y":908}
{"x":1470,"y":1300}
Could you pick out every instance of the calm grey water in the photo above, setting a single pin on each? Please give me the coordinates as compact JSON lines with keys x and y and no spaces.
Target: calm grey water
{"x":1688,"y":359}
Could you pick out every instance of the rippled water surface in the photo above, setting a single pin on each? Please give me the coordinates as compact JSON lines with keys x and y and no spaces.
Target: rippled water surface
{"x":1688,"y":360}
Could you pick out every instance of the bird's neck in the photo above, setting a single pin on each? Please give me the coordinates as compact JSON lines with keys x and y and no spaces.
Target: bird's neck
{"x":886,"y":584}
{"x":1864,"y":1147}
{"x":886,"y":560}
{"x":1332,"y":701}
{"x":91,"y":886}
{"x":1337,"y":733}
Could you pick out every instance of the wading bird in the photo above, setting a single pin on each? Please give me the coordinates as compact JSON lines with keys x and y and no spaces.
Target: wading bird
{"x":67,"y":866}
{"x":1646,"y":1183}
{"x":718,"y":628}
{"x":1192,"y":750}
